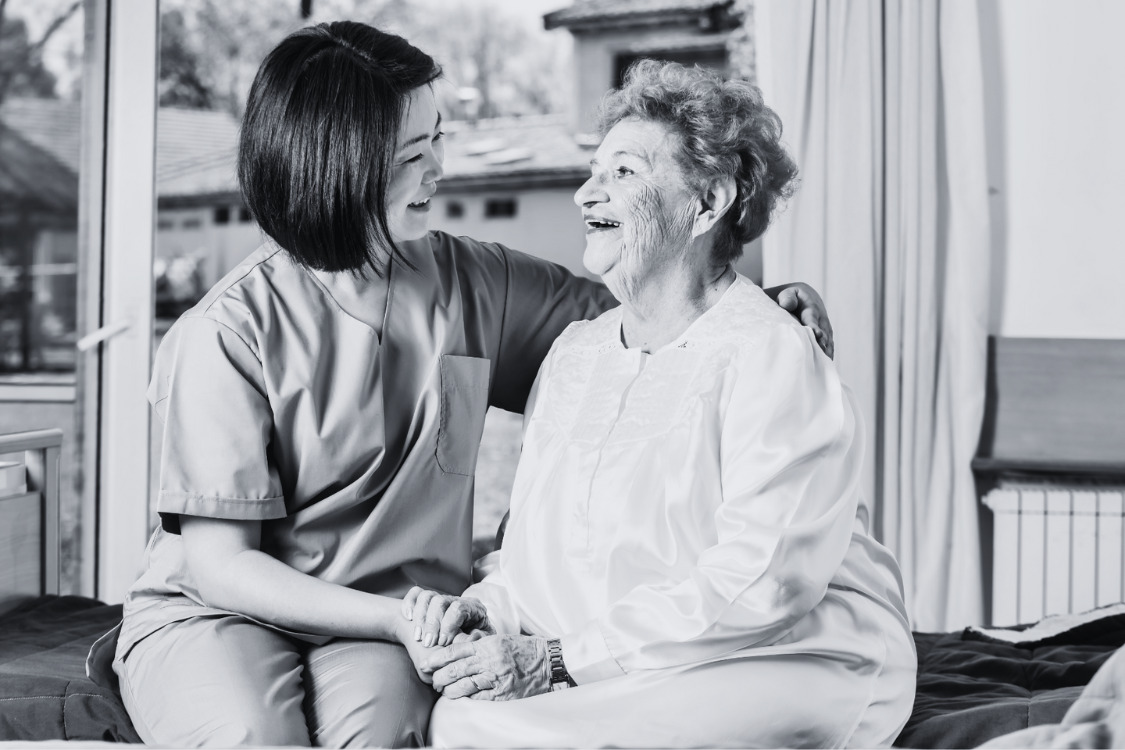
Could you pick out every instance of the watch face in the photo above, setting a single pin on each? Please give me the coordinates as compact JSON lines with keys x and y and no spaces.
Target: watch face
{"x":556,"y":686}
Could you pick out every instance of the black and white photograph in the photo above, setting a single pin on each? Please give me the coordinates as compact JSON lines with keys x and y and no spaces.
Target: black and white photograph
{"x":562,"y":373}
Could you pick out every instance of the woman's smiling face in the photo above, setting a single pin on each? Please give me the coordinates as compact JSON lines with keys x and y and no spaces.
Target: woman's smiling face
{"x":417,"y":167}
{"x":637,"y":206}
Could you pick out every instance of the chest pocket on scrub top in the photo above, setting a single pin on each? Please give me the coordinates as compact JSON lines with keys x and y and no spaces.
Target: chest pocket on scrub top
{"x":464,"y":402}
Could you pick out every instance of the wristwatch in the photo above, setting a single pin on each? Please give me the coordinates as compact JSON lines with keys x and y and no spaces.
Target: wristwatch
{"x":560,"y":678}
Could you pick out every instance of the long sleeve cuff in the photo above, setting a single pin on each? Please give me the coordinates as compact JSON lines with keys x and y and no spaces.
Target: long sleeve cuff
{"x":502,"y":611}
{"x":587,"y":657}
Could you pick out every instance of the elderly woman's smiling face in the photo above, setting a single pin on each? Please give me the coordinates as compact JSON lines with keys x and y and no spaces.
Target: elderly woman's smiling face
{"x":637,"y":206}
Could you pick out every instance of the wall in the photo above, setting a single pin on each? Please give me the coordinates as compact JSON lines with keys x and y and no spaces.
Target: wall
{"x":1054,"y":76}
{"x":547,"y":222}
{"x":193,"y":232}
{"x":595,"y":61}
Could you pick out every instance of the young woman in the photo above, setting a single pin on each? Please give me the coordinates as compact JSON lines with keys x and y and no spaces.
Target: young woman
{"x":322,"y":411}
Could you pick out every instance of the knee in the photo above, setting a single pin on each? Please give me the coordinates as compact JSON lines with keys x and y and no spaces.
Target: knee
{"x":249,"y":731}
{"x":228,"y":731}
{"x":170,"y":721}
{"x":399,"y":720}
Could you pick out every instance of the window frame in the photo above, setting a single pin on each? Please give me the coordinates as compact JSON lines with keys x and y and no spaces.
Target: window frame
{"x":117,"y":216}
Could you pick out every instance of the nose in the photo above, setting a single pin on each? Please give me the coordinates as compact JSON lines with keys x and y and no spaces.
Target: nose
{"x":435,"y":163}
{"x":589,"y":193}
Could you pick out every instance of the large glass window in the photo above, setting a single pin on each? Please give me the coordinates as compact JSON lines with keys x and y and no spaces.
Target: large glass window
{"x":41,"y":60}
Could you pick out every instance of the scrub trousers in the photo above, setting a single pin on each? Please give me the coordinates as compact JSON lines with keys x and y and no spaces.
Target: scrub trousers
{"x":227,"y":681}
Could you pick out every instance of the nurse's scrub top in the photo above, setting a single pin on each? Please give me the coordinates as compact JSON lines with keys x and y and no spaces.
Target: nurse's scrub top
{"x":355,"y":450}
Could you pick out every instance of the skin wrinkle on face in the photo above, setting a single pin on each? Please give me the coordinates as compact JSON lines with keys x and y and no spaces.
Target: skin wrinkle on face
{"x":654,"y":238}
{"x":651,"y":231}
{"x":653,"y":202}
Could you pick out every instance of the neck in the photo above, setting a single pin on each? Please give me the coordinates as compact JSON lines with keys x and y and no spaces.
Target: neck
{"x":670,"y":302}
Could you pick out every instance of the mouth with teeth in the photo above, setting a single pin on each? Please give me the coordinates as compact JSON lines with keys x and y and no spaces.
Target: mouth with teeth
{"x":599,"y":224}
{"x":422,"y":205}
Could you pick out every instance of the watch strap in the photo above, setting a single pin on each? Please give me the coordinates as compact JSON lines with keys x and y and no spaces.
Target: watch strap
{"x":560,"y":678}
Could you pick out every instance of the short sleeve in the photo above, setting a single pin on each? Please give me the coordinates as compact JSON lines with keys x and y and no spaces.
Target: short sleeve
{"x":208,"y":389}
{"x":542,"y":299}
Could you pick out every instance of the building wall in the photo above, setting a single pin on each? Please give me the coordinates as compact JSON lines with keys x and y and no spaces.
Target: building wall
{"x":1054,"y":73}
{"x":194,"y":233}
{"x":595,"y":63}
{"x":546,"y":224}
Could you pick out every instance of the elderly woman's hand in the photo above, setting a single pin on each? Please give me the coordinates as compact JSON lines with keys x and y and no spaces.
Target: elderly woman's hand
{"x":438,"y":618}
{"x":497,"y":668}
{"x":805,"y":304}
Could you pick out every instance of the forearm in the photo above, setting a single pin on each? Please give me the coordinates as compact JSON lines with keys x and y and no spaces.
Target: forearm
{"x":266,"y":589}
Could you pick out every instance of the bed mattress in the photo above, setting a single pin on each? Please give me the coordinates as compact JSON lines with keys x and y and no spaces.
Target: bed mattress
{"x":971,"y":687}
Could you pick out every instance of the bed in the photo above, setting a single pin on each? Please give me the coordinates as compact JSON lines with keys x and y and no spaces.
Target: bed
{"x":973,"y":685}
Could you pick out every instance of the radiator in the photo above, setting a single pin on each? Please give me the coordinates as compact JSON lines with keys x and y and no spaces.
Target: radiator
{"x":1057,"y":548}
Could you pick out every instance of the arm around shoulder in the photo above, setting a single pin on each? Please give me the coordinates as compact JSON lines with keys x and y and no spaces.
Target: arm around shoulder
{"x":542,"y":299}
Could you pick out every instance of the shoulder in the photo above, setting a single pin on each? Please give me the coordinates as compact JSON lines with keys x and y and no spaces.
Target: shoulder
{"x":246,"y":301}
{"x":746,"y":321}
{"x":764,"y":347}
{"x":457,"y":250}
{"x":601,"y":332}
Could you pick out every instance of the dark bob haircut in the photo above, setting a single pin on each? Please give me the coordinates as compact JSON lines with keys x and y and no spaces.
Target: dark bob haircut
{"x":318,"y":142}
{"x":724,"y":130}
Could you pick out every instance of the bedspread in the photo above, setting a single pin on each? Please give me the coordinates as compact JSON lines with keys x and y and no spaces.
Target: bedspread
{"x":972,"y":688}
{"x":44,"y":691}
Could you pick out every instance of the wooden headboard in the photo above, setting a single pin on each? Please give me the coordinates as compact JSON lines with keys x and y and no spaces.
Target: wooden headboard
{"x":1054,"y":406}
{"x":29,"y":521}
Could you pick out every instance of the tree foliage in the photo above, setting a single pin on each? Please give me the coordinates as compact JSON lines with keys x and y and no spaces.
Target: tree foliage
{"x":181,"y":84}
{"x":740,"y":47}
{"x":493,"y":57}
{"x":22,"y":72}
{"x":497,"y":66}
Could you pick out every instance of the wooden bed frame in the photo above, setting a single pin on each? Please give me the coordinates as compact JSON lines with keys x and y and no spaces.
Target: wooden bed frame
{"x":29,"y":522}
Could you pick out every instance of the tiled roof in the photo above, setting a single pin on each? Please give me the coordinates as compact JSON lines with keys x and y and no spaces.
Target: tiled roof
{"x":585,"y":11}
{"x":32,"y":180}
{"x":196,"y":150}
{"x":510,"y":148}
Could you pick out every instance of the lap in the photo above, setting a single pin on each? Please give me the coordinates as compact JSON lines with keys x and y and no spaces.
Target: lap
{"x":365,"y":694}
{"x":227,"y":681}
{"x":776,"y":701}
{"x":215,"y":681}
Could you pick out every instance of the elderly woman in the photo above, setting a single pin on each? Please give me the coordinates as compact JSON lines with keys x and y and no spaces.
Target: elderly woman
{"x":687,"y":561}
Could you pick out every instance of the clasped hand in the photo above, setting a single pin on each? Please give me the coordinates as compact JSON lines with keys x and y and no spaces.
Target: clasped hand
{"x":460,"y":655}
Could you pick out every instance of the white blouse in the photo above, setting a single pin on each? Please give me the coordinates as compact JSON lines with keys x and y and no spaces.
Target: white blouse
{"x":692,"y":504}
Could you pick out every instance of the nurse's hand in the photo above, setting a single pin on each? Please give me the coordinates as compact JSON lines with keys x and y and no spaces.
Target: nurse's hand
{"x":496,"y":668}
{"x":803,"y":303}
{"x":404,"y":631}
{"x":438,"y":618}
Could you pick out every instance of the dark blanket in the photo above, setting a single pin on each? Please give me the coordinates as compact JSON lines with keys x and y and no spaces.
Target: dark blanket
{"x":972,"y":688}
{"x":44,"y":691}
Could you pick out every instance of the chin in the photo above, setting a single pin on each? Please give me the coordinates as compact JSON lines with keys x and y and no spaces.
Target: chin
{"x":407,"y":234}
{"x":597,"y":261}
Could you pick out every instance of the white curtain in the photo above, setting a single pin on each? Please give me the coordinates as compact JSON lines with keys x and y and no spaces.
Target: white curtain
{"x":883,"y":110}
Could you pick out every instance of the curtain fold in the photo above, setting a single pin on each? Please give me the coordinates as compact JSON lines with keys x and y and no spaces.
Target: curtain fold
{"x":883,"y":108}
